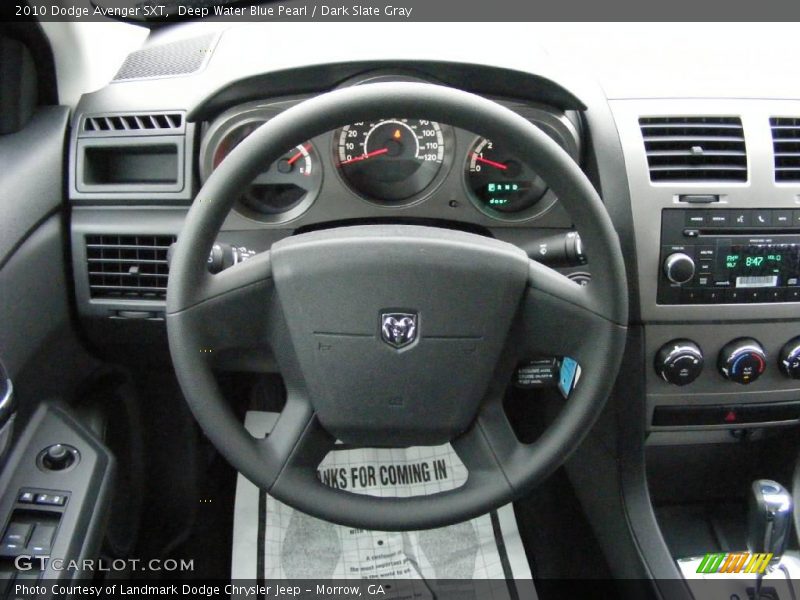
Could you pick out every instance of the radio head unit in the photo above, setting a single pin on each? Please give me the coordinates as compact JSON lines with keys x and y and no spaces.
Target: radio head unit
{"x":725,"y":256}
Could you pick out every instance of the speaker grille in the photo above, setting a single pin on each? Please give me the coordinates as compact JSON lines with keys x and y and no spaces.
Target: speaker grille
{"x":168,"y":60}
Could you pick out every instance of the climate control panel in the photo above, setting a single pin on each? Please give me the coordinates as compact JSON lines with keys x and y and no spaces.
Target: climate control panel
{"x":723,"y":375}
{"x":742,"y":360}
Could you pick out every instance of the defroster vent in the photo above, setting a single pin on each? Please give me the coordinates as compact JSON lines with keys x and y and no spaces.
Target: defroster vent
{"x":135,"y":124}
{"x":128,"y":266}
{"x":695,"y":148}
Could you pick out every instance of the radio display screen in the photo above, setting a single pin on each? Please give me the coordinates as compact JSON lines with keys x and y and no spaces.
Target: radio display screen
{"x":767,"y":265}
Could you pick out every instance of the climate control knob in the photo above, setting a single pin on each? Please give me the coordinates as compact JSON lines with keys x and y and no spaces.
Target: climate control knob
{"x":789,"y":359}
{"x":743,"y":360}
{"x":679,"y":362}
{"x":679,"y":267}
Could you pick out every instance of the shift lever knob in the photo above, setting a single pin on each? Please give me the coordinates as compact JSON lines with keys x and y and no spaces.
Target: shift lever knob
{"x":769,"y":518}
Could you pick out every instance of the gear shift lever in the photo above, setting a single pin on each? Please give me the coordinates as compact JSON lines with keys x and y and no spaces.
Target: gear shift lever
{"x":769,"y":517}
{"x":769,"y":520}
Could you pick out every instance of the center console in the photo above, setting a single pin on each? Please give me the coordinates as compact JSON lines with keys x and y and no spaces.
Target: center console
{"x":715,"y":202}
{"x":714,"y":191}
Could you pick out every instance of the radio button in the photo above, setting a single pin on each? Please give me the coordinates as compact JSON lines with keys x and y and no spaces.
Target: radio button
{"x":796,"y":218}
{"x":773,"y":295}
{"x":714,"y":296}
{"x":695,"y":218}
{"x":718,"y":218}
{"x":706,"y":267}
{"x":691,"y":296}
{"x":734,"y":296}
{"x":792,"y":295}
{"x":752,"y":295}
{"x":782,"y":218}
{"x":679,"y":267}
{"x":706,"y":253}
{"x":739,"y":218}
{"x":762,"y":218}
{"x":691,"y":233}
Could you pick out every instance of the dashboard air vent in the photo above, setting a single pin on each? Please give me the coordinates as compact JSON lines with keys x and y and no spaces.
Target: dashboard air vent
{"x":149,"y":122}
{"x":695,"y":148}
{"x":786,"y":147}
{"x":128,"y":266}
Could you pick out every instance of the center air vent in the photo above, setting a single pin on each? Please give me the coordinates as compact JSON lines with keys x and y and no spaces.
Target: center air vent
{"x":136,"y":124}
{"x":786,"y":147}
{"x":128,"y":266}
{"x":695,"y":148}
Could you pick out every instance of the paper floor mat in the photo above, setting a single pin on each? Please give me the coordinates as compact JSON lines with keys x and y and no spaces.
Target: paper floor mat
{"x":274,"y":541}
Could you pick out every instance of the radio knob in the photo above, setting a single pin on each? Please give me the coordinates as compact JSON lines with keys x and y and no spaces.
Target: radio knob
{"x":789,"y":360}
{"x":743,"y":360}
{"x":679,"y":362}
{"x":679,"y":267}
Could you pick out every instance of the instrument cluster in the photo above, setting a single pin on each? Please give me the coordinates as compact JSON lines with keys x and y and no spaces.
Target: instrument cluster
{"x":393,"y":162}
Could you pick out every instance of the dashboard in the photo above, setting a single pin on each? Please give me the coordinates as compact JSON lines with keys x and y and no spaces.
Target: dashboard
{"x":703,"y":191}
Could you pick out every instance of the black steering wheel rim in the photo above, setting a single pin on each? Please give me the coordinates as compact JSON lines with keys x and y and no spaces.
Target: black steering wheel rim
{"x":500,"y":468}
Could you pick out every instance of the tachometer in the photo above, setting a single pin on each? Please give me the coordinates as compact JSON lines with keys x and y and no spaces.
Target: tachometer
{"x":499,"y":181}
{"x":285,"y":188}
{"x":390,"y":160}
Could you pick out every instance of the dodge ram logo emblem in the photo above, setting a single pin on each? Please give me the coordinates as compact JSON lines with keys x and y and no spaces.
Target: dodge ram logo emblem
{"x":398,"y":329}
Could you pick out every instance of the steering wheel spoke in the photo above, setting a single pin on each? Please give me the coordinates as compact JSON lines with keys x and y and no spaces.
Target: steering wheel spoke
{"x":226,"y":310}
{"x":560,"y":317}
{"x":297,"y":442}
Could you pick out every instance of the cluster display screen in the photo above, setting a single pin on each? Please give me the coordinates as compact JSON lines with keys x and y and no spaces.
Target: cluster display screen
{"x":761,"y":265}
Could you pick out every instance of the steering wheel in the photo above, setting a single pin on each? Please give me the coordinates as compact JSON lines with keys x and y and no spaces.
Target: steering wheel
{"x":460,"y":310}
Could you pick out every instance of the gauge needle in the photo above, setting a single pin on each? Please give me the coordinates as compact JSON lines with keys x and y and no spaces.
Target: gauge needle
{"x":364,"y":156}
{"x":297,"y":156}
{"x":491,"y":163}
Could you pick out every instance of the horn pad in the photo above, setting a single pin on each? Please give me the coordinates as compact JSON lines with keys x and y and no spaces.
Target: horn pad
{"x":397,"y":330}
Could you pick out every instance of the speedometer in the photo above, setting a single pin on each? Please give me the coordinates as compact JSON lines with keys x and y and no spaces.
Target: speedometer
{"x":391,"y":160}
